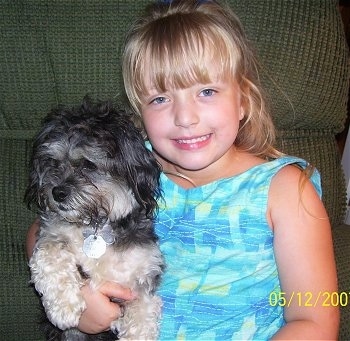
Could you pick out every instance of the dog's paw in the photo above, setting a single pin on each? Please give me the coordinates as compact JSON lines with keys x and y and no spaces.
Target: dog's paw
{"x":55,"y":277}
{"x":141,"y":319}
{"x":64,"y":313}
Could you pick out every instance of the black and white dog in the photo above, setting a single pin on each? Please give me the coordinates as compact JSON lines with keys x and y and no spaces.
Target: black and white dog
{"x":95,"y":185}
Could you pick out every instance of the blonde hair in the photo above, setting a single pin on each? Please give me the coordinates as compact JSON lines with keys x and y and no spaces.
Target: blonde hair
{"x":174,"y":42}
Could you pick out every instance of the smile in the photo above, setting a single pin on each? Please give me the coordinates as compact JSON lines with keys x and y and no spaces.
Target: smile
{"x":194,"y":140}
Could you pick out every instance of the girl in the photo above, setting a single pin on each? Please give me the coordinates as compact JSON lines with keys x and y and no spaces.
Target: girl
{"x":244,"y":233}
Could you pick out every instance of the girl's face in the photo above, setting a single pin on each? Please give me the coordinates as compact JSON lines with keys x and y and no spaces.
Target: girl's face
{"x":193,"y":129}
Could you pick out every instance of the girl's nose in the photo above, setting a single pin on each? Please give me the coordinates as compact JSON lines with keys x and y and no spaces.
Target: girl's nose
{"x":185,"y":115}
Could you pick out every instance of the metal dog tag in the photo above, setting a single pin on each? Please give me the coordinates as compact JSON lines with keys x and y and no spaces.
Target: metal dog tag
{"x":94,"y":246}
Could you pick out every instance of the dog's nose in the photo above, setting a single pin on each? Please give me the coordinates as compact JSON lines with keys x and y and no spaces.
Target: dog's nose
{"x":59,"y":193}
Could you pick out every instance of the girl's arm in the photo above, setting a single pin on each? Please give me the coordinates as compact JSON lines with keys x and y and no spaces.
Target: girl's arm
{"x":31,"y":237}
{"x":305,"y":260}
{"x":100,"y":311}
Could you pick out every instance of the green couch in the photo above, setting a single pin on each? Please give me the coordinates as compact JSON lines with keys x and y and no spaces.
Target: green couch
{"x":56,"y":51}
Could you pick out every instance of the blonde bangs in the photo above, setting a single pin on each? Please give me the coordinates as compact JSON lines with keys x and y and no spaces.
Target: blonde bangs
{"x":192,"y":55}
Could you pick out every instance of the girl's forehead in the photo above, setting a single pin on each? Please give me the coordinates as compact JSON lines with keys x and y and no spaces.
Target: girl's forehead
{"x":190,"y":57}
{"x":176,"y":73}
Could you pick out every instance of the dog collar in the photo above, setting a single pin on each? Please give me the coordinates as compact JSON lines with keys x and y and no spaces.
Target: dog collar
{"x":97,"y":236}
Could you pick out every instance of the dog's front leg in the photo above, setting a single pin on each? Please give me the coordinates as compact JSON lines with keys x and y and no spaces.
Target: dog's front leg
{"x":56,"y":277}
{"x":140,"y":320}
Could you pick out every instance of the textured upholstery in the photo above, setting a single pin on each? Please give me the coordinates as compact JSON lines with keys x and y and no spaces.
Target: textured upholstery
{"x":56,"y":51}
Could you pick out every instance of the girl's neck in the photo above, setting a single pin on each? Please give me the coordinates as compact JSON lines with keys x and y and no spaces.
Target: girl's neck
{"x":238,"y":163}
{"x":181,"y":179}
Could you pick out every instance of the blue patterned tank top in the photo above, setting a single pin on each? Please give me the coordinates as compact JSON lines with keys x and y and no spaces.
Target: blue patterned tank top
{"x":220,"y":264}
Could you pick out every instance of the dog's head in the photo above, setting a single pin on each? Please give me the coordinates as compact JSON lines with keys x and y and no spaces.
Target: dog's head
{"x":89,"y":162}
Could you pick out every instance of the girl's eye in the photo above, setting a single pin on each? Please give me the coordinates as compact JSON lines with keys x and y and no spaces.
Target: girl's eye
{"x":159,"y":100}
{"x":207,"y":92}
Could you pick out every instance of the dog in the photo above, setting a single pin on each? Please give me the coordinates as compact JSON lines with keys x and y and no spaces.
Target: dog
{"x":95,"y":186}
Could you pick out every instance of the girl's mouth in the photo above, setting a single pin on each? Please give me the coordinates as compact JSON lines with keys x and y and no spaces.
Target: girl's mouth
{"x":193,"y":143}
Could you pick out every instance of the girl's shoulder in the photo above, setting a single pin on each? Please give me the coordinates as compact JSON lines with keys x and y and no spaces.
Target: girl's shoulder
{"x":283,"y":167}
{"x":296,"y":185}
{"x":294,"y":170}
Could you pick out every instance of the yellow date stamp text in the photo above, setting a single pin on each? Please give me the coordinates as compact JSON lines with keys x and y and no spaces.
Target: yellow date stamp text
{"x":309,"y":299}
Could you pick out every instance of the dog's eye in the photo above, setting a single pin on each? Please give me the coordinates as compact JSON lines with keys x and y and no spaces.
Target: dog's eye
{"x":53,"y":162}
{"x":88,"y":165}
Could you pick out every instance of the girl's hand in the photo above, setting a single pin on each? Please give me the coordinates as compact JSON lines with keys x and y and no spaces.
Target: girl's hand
{"x":100,"y":311}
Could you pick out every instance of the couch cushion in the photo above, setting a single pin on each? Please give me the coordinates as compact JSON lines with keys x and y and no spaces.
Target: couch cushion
{"x":19,"y":313}
{"x":304,"y":61}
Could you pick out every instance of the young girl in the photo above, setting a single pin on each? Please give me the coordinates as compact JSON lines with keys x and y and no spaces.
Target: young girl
{"x":245,"y":236}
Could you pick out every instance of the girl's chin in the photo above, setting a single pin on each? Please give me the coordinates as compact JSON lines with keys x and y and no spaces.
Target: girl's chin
{"x":177,"y":159}
{"x":189,"y":164}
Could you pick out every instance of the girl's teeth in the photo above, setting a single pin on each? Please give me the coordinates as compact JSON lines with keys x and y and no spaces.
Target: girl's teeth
{"x":198,"y":139}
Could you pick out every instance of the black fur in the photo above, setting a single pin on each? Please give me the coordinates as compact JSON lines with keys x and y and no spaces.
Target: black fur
{"x":112,"y":146}
{"x":124,"y":147}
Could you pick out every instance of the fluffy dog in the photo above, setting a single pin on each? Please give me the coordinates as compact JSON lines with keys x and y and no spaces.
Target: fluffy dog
{"x":95,"y":186}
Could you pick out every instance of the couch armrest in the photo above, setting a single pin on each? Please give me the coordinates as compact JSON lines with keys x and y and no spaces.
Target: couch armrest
{"x":341,"y":240}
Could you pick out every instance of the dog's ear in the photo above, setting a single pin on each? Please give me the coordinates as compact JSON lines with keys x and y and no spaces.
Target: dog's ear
{"x":136,"y":163}
{"x":143,"y":173}
{"x":39,"y":161}
{"x":31,"y":195}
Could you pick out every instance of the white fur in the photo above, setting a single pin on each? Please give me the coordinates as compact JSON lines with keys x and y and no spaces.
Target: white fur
{"x":90,"y":172}
{"x":54,"y":272}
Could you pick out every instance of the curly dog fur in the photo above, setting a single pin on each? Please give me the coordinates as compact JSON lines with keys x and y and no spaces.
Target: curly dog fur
{"x":95,"y":185}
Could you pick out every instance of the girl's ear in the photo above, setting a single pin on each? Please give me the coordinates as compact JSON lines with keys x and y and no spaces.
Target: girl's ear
{"x":241,"y":113}
{"x":245,"y":101}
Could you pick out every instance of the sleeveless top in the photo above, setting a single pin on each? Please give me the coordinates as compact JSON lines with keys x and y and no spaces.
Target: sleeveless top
{"x":221,"y":279}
